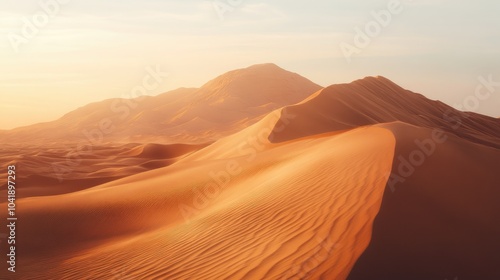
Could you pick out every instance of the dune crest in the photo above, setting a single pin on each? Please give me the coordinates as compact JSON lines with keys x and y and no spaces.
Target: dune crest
{"x":264,"y":222}
{"x":364,"y":180}
{"x":440,"y":221}
{"x":374,"y":100}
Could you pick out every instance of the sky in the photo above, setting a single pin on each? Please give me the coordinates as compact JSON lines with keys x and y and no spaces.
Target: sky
{"x":58,"y":55}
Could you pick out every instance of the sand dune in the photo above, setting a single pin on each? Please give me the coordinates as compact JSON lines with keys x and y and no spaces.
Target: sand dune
{"x":91,"y":145}
{"x":219,"y":108}
{"x":358,"y":181}
{"x":374,"y":100}
{"x":438,"y":213}
{"x":263,"y":223}
{"x":66,"y":169}
{"x":442,"y":221}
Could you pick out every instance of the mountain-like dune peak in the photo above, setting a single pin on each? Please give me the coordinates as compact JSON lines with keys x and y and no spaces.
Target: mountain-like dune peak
{"x":221,"y":107}
{"x":157,"y":125}
{"x":240,"y":98}
{"x":364,"y":180}
{"x":374,"y":100}
{"x":259,"y":85}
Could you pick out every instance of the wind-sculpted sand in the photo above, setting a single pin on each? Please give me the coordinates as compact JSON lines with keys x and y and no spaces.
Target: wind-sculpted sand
{"x":364,"y":180}
{"x":65,"y":169}
{"x":301,"y":209}
{"x":221,"y":107}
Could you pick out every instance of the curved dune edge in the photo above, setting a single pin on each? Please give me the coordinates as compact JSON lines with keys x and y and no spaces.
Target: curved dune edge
{"x":300,"y":210}
{"x":439,"y":215}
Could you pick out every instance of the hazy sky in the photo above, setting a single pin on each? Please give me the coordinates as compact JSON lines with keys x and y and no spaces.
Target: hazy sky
{"x":93,"y":50}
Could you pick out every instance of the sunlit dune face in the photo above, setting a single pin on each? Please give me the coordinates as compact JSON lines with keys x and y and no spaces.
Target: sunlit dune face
{"x":267,"y":208}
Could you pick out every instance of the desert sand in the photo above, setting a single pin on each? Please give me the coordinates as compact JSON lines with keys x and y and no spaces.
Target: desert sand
{"x":442,"y":221}
{"x":308,"y":183}
{"x":65,"y":169}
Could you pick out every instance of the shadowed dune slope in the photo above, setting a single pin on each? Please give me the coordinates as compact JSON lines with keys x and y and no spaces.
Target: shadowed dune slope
{"x":440,"y":214}
{"x":316,"y":190}
{"x":439,"y":218}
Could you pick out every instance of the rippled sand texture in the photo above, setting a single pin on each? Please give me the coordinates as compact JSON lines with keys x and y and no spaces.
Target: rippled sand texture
{"x":44,"y":170}
{"x":287,"y":191}
{"x":304,"y":209}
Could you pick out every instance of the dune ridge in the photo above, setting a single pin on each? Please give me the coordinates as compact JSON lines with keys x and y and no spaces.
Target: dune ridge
{"x":442,"y":220}
{"x":374,"y":100}
{"x":313,"y":190}
{"x":281,"y":210}
{"x":73,"y":146}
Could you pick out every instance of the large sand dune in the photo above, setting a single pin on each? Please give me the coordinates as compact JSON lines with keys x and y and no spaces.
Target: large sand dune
{"x":292,"y":211}
{"x":107,"y":140}
{"x":361,"y":181}
{"x":375,"y":100}
{"x":441,"y":222}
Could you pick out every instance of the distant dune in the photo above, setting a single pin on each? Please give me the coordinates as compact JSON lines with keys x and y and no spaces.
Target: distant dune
{"x":364,"y":180}
{"x":91,"y":145}
{"x":219,"y":108}
{"x":57,"y":170}
{"x":376,"y":100}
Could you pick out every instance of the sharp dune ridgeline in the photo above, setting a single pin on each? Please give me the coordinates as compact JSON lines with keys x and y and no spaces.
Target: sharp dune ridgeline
{"x":260,"y":174}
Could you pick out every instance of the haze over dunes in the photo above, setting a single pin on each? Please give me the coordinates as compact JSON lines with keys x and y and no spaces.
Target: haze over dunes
{"x":376,"y":100}
{"x":103,"y":141}
{"x":185,"y":115}
{"x":261,"y":174}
